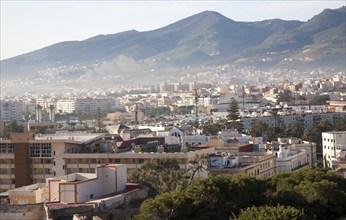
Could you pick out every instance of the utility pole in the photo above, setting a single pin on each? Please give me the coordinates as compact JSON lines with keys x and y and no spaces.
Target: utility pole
{"x":196,"y":102}
{"x":243,"y":96}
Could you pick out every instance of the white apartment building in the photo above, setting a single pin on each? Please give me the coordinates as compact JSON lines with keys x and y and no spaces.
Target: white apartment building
{"x":334,"y":148}
{"x":66,"y":106}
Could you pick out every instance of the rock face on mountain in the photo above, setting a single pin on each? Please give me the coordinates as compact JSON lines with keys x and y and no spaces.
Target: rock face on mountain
{"x":201,"y":39}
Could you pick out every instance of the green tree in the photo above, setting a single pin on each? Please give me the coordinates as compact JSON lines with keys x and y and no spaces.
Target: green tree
{"x":294,"y":129}
{"x":233,"y":116}
{"x":275,"y":114}
{"x":300,"y":97}
{"x":270,"y":133}
{"x":212,"y":129}
{"x":315,"y":134}
{"x":320,"y":193}
{"x":171,"y":205}
{"x":41,"y":130}
{"x":340,"y":125}
{"x":278,"y":212}
{"x":285,"y":96}
{"x":160,"y":175}
{"x":319,"y":100}
{"x":258,"y":129}
{"x":10,"y":127}
{"x":215,"y":197}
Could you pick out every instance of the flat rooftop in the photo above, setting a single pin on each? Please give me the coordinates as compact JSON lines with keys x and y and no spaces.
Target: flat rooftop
{"x":79,"y":137}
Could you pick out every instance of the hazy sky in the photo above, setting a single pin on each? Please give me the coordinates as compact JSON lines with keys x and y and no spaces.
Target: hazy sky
{"x":30,"y":25}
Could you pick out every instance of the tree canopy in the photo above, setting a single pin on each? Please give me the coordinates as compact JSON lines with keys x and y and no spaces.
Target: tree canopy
{"x":278,"y":212}
{"x":285,"y":96}
{"x":212,"y":129}
{"x":303,"y":194}
{"x":159,"y":175}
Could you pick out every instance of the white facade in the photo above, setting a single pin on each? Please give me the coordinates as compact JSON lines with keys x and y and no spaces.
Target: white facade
{"x":81,"y":187}
{"x":289,"y":160}
{"x":333,"y":144}
{"x":66,"y":106}
{"x":222,"y":161}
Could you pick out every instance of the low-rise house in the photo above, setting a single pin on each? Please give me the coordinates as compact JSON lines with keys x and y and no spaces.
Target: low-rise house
{"x":31,"y":194}
{"x":81,"y":187}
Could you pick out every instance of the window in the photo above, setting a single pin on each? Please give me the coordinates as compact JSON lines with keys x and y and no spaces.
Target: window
{"x":46,"y":150}
{"x":40,"y":150}
{"x":10,"y":148}
{"x":117,"y":160}
{"x":3,"y":149}
{"x":35,"y":150}
{"x":141,"y":160}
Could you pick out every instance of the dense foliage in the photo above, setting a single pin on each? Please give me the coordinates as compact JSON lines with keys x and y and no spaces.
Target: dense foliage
{"x":278,"y":212}
{"x":159,"y":175}
{"x":304,"y":194}
{"x":212,"y":129}
{"x":12,"y":126}
{"x":285,"y":96}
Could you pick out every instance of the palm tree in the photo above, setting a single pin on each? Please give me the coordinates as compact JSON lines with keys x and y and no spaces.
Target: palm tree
{"x":274,"y":113}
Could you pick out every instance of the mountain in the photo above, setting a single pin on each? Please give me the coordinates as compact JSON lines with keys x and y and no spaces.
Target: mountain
{"x":202,"y":39}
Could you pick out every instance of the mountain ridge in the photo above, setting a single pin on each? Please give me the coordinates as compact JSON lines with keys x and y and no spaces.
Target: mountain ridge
{"x":203,"y":38}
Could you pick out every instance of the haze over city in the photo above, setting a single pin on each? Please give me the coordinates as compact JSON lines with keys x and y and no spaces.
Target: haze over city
{"x":166,"y":110}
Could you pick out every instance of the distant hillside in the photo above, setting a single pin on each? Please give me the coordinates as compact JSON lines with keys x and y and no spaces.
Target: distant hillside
{"x":204,"y":38}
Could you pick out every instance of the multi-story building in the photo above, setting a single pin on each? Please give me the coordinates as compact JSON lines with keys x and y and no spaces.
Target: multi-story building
{"x":93,"y":106}
{"x":288,"y":160}
{"x":246,"y":159}
{"x":308,"y":120}
{"x":10,"y":110}
{"x":66,"y":106}
{"x":26,"y":159}
{"x":259,"y":164}
{"x":334,"y":148}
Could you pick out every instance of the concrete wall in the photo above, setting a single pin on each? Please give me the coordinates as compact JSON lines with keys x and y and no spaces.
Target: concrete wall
{"x":24,"y":212}
{"x":107,"y":177}
{"x":121,"y":177}
{"x":57,"y":152}
{"x":88,"y":188}
{"x":67,"y":193}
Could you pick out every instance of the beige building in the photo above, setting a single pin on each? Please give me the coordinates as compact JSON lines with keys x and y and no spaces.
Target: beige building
{"x":26,"y":159}
{"x":81,"y":187}
{"x":250,"y":164}
{"x":31,"y":194}
{"x":246,"y":159}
